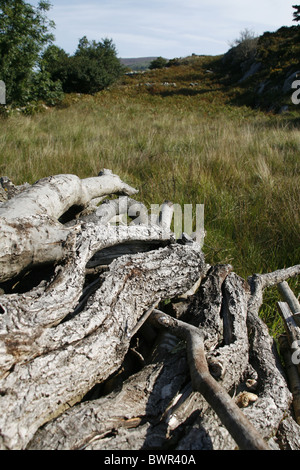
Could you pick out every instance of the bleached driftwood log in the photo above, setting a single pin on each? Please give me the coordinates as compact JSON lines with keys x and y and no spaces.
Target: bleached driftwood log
{"x":30,"y":233}
{"x":68,"y":342}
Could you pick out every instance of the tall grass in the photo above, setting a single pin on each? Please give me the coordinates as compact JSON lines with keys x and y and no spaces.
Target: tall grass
{"x":242,"y":165}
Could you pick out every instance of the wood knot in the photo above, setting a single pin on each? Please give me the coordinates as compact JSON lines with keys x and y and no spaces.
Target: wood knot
{"x":245,"y":399}
{"x":216,"y":367}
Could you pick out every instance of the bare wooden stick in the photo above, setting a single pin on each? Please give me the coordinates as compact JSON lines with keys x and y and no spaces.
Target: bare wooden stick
{"x":259,"y":282}
{"x":56,"y":194}
{"x":281,"y":275}
{"x":289,"y":297}
{"x":292,"y":373}
{"x":243,"y":432}
{"x":142,"y":320}
{"x":292,"y":330}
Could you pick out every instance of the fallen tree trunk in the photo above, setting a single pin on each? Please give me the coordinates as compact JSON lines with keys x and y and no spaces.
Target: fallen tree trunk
{"x":70,"y":340}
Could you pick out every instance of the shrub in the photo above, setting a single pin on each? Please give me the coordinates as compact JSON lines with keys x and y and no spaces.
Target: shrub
{"x":158,"y":63}
{"x":43,"y":88}
{"x":93,"y":67}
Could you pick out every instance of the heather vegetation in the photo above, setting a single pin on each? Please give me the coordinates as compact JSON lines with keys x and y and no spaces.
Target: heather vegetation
{"x":192,"y":132}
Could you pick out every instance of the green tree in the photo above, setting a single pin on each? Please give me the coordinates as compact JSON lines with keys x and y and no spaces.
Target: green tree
{"x":158,"y":63}
{"x":24,"y":32}
{"x":55,"y":61}
{"x":296,"y":13}
{"x":43,"y":88}
{"x":93,"y":67}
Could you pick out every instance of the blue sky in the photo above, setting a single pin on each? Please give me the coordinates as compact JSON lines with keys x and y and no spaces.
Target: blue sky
{"x":168,"y":28}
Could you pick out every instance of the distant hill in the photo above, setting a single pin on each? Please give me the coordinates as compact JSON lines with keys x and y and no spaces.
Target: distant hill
{"x":139,"y":63}
{"x":257,"y":73}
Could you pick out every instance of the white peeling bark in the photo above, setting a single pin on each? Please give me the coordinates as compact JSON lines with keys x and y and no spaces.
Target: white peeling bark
{"x":30,"y":233}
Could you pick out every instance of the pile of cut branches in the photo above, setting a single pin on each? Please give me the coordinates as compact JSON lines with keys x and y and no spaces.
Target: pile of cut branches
{"x":116,"y":336}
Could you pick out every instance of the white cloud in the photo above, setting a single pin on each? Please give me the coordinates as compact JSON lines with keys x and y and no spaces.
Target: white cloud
{"x":170,"y":28}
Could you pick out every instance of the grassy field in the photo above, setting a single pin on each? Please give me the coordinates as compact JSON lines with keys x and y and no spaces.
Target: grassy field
{"x":186,"y":143}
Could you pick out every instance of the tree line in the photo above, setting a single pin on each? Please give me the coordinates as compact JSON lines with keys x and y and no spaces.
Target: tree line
{"x":34,"y":69}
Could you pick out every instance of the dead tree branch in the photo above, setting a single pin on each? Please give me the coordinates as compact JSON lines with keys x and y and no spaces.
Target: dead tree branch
{"x":229,"y":413}
{"x":90,"y":356}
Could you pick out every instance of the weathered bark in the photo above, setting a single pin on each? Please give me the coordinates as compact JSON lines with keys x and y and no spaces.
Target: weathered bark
{"x":289,"y":296}
{"x":138,"y":401}
{"x":126,"y":419}
{"x":83,"y":366}
{"x":30,"y":233}
{"x":288,"y":435}
{"x":292,"y":374}
{"x":235,"y":421}
{"x":25,"y":316}
{"x":89,"y":347}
